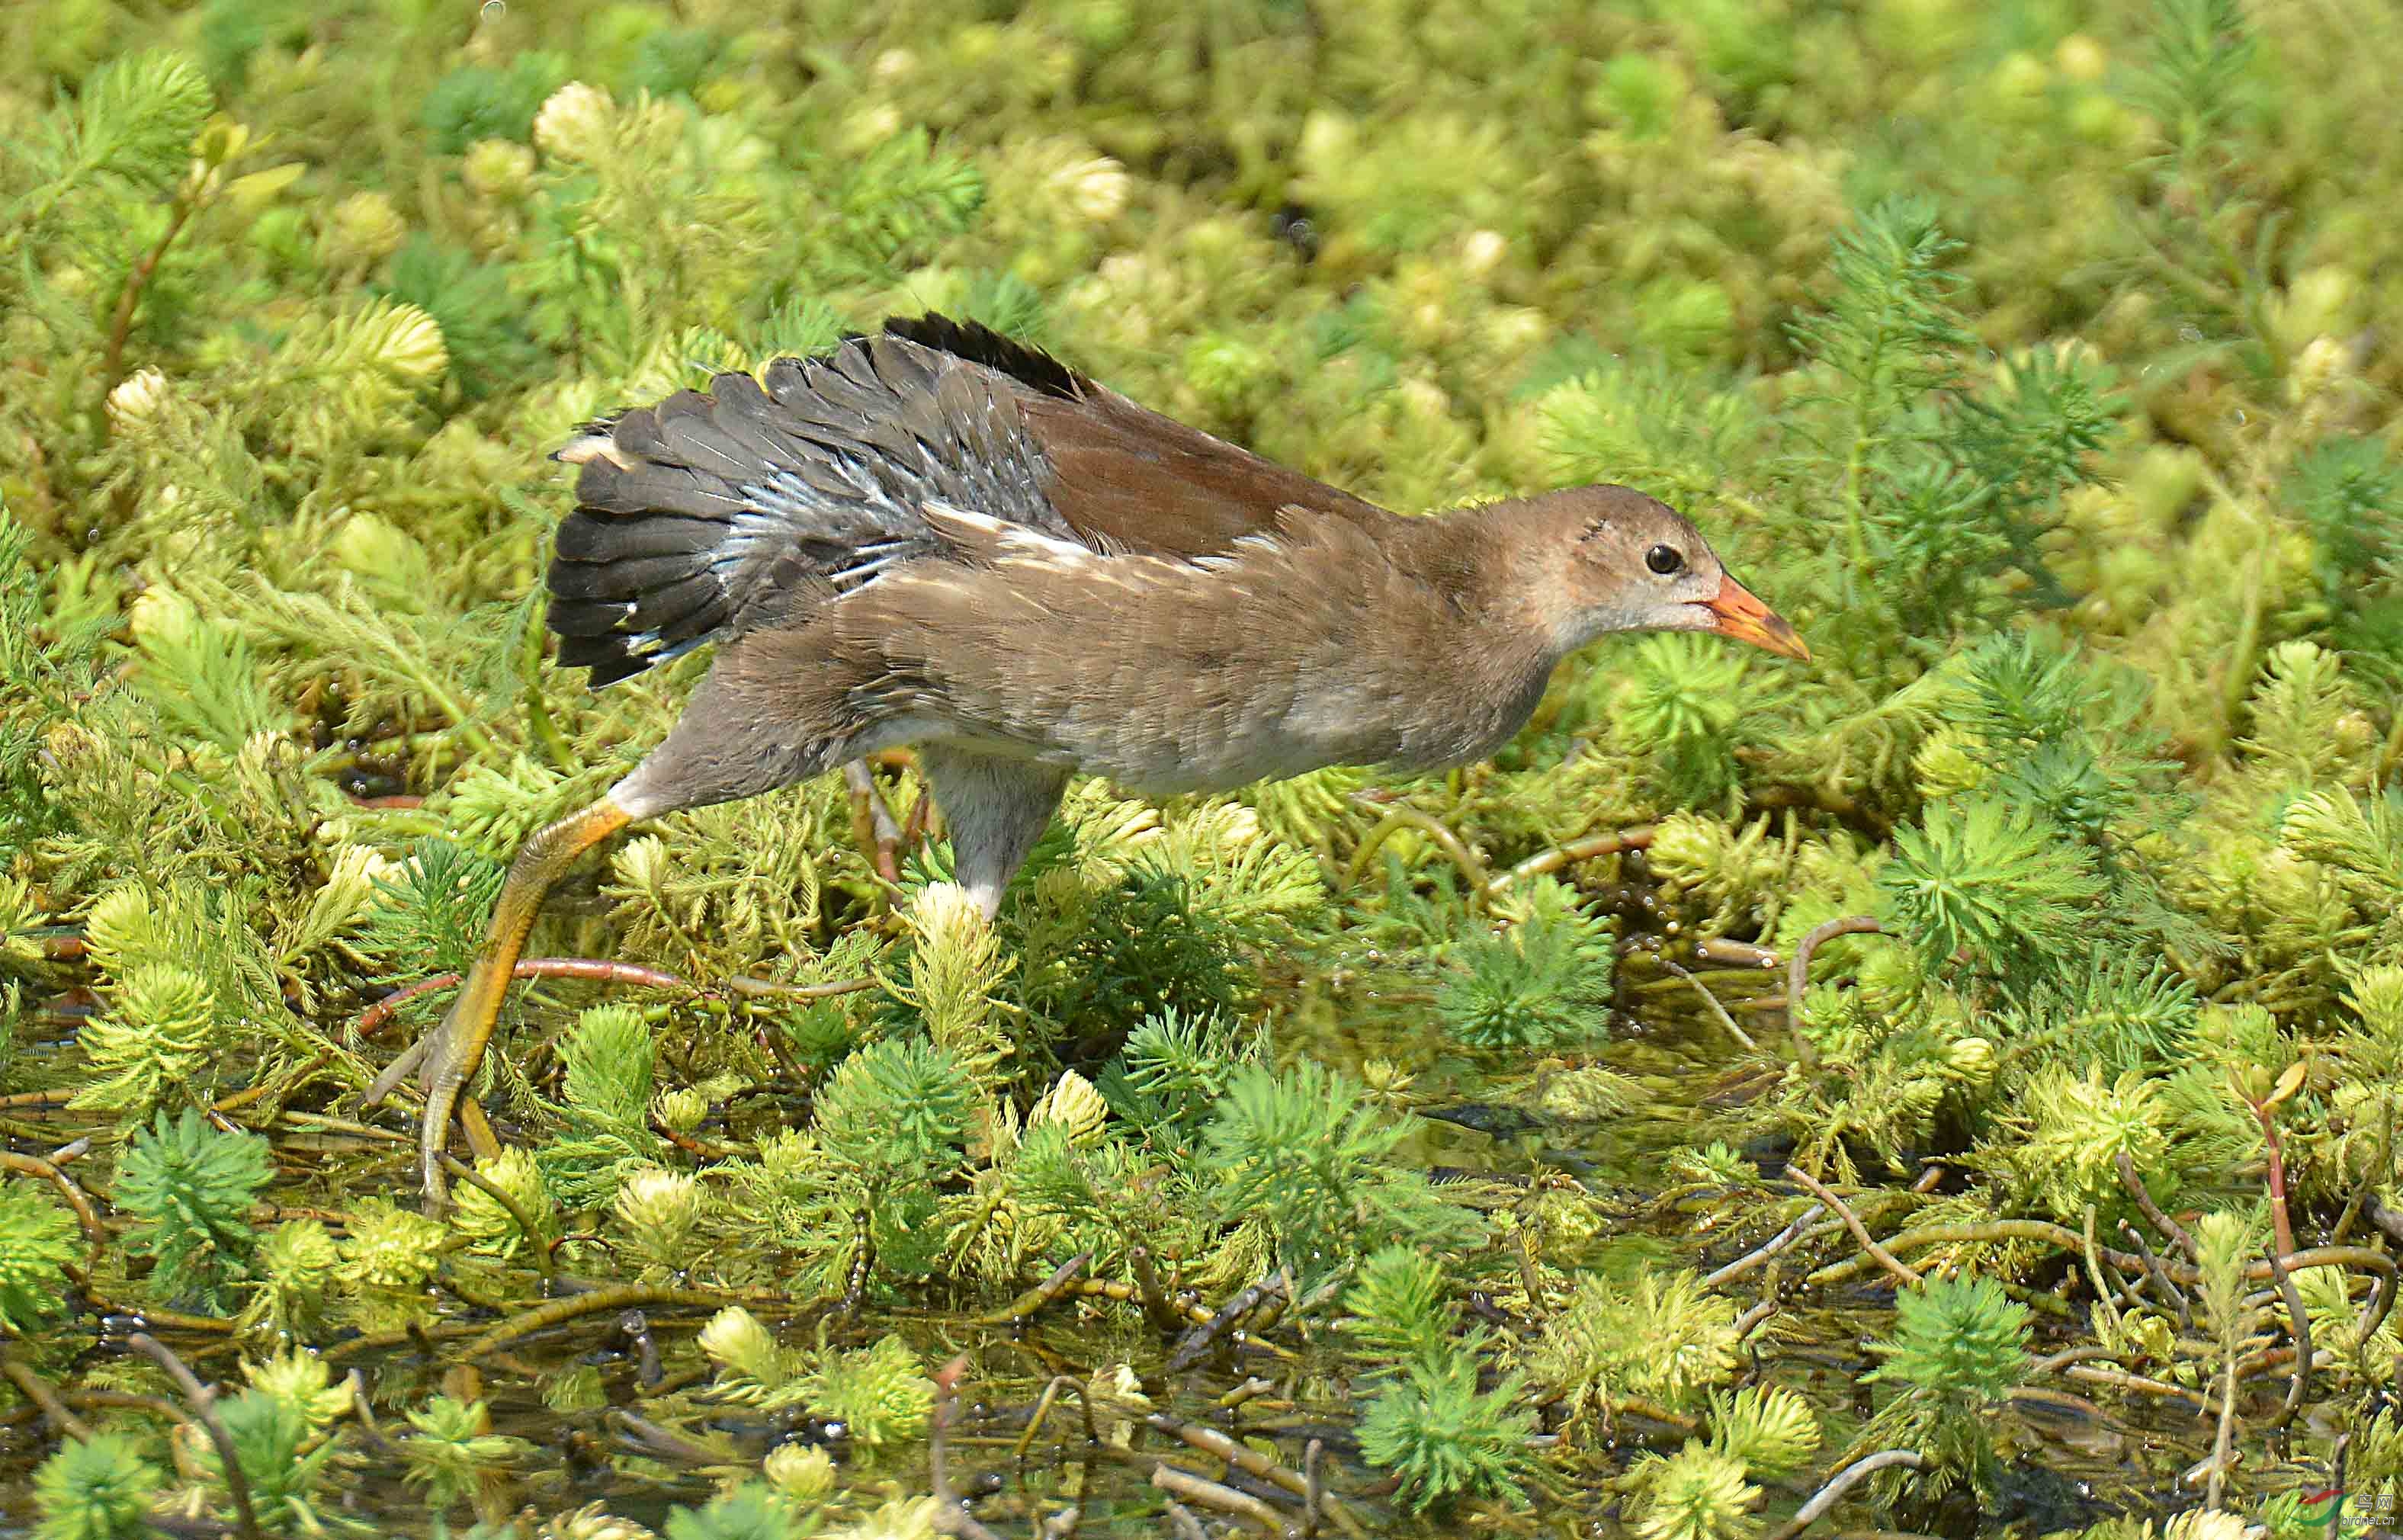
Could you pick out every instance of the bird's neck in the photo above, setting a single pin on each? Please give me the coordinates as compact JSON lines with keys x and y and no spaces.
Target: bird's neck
{"x":1483,"y":559}
{"x":1466,"y":662}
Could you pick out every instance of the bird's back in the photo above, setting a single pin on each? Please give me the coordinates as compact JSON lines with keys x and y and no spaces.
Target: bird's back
{"x":710,"y":514}
{"x":761,"y":501}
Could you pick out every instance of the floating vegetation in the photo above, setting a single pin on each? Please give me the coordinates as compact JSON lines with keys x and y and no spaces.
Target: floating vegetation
{"x":1948,"y":1089}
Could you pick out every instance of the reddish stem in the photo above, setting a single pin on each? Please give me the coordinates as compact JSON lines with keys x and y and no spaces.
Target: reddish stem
{"x":2285,"y":1229}
{"x":112,"y":364}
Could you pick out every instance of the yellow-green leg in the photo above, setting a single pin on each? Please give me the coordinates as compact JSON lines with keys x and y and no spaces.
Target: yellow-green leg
{"x":452,"y":1051}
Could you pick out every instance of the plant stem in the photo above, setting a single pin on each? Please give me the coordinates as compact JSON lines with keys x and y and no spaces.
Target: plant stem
{"x":540,"y":722}
{"x":560,"y":1311}
{"x":204,"y":1406}
{"x":1713,"y":1001}
{"x":1843,"y":1481}
{"x":2219,"y":1444}
{"x":536,"y":1248}
{"x":2163,"y":1221}
{"x":2299,"y":1324}
{"x":1797,"y":975}
{"x":1853,"y":1222}
{"x":2239,"y":681}
{"x":37,"y":1390}
{"x":1761,"y":1254}
{"x":951,"y":1515}
{"x":1589,"y":849}
{"x":1472,"y":870}
{"x":112,"y":360}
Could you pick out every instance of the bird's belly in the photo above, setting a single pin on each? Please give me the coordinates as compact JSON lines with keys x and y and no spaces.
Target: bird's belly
{"x":1211,"y":751}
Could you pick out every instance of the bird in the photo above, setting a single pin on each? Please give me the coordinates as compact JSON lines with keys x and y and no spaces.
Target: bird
{"x":938,"y":536}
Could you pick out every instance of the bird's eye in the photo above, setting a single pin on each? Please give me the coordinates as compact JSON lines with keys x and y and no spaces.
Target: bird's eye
{"x":1664,"y":560}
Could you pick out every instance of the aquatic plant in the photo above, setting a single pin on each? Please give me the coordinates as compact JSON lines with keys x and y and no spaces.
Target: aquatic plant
{"x":2030,"y":361}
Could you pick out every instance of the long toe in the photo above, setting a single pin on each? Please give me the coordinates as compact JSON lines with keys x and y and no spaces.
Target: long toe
{"x":456,"y":1047}
{"x":425,"y":1049}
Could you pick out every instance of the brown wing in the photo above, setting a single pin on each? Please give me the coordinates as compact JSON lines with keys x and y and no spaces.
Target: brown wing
{"x":1123,"y":476}
{"x":712,"y":514}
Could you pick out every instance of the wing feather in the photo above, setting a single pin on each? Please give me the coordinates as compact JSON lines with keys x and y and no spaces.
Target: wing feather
{"x":715,"y":512}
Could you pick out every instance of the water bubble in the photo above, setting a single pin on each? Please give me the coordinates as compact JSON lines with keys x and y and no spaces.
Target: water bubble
{"x":494,"y":10}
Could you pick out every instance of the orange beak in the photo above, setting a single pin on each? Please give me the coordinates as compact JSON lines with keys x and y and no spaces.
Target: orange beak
{"x":1745,"y":618}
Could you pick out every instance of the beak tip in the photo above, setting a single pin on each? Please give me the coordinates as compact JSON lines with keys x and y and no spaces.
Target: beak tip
{"x":1742,"y":616}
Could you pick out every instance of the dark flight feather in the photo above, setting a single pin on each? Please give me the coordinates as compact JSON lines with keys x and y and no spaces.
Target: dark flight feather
{"x":758,"y":502}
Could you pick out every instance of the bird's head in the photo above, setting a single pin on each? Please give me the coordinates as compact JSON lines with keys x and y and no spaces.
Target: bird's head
{"x":1607,"y":558}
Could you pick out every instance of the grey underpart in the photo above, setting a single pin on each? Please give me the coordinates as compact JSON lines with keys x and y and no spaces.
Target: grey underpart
{"x":994,"y":806}
{"x":730,"y":743}
{"x":995,"y":800}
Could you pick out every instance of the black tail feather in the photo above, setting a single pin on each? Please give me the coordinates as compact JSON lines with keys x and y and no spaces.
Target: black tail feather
{"x":713,"y":511}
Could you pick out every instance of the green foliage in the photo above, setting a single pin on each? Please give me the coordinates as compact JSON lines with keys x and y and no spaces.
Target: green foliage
{"x":1399,"y":1305}
{"x":1445,"y":1439}
{"x":99,"y":1488}
{"x":470,"y":300}
{"x":201,"y":675}
{"x":36,"y":1239}
{"x":493,"y":1228}
{"x":2200,"y":49}
{"x":748,"y":1512}
{"x":42,"y":669}
{"x":296,"y":1264}
{"x":2349,"y":491}
{"x":1658,"y":1335}
{"x":454,"y":1450}
{"x":1770,"y":1429}
{"x":1891,"y":331}
{"x":1172,"y":1070}
{"x":611,"y":1060}
{"x":751,"y":1368}
{"x":160,"y":1035}
{"x":276,"y":1444}
{"x":2121,"y":1014}
{"x":1692,"y":705}
{"x":1959,"y":1340}
{"x":432,"y":915}
{"x":189,"y":1189}
{"x":1944,"y":484}
{"x":899,"y":198}
{"x":1144,"y":948}
{"x":897,"y":1111}
{"x":479,"y":102}
{"x":878,"y":1394}
{"x":2196,"y":86}
{"x":2360,"y":844}
{"x":1985,"y":881}
{"x":1960,"y":1346}
{"x":1305,"y":1152}
{"x":1541,"y":983}
{"x":2075,"y":1130}
{"x":1698,"y":1493}
{"x":1641,"y":421}
{"x":132,"y":125}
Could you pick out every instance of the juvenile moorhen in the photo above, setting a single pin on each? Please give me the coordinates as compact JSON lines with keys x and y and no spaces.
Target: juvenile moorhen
{"x":941,"y":537}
